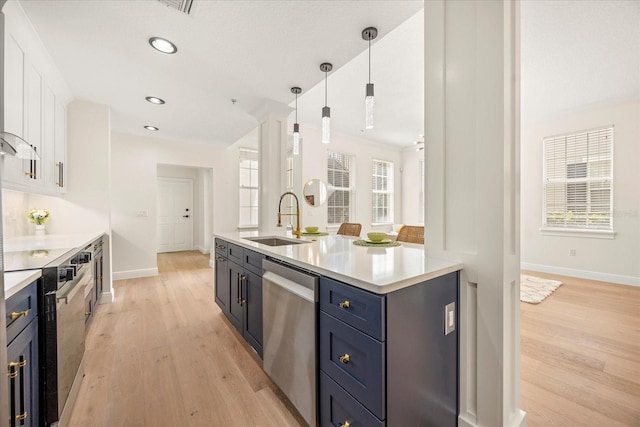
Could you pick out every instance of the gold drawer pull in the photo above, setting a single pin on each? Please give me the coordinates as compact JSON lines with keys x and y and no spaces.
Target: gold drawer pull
{"x":16,"y":314}
{"x":345,"y":304}
{"x":13,"y":374}
{"x":345,"y":358}
{"x":29,"y":174}
{"x":346,"y":424}
{"x":22,"y":417}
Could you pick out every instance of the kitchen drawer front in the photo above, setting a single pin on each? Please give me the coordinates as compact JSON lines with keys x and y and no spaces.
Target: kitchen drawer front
{"x":365,"y":311}
{"x":253,"y":261}
{"x":23,"y":307}
{"x":337,"y":407}
{"x":235,"y":253}
{"x":221,"y":247}
{"x":363,"y":374}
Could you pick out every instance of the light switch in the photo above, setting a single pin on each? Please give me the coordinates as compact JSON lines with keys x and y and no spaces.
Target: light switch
{"x":449,"y":318}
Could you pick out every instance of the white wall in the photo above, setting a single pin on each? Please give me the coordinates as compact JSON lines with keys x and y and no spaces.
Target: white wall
{"x":314,"y":165}
{"x":412,"y":213}
{"x":134,"y":171}
{"x":616,"y":260}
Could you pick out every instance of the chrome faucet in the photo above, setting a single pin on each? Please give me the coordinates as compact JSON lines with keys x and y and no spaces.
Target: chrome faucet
{"x":296,"y":232}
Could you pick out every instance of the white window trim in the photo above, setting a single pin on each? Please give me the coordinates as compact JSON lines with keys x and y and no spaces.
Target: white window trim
{"x":578,"y":232}
{"x":248,"y":226}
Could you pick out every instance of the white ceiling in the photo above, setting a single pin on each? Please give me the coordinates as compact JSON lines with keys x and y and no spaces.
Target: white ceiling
{"x":252,"y":51}
{"x":577,"y":55}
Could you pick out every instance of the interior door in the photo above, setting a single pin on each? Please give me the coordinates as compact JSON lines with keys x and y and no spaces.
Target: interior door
{"x":175,"y":215}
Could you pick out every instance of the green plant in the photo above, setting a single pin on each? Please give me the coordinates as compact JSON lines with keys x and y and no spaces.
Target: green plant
{"x":38,"y":216}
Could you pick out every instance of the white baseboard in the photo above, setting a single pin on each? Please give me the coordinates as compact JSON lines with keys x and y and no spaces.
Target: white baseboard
{"x":583,"y":274}
{"x":134,"y":274}
{"x":106,"y":298}
{"x":202,"y":250}
{"x":519,"y":421}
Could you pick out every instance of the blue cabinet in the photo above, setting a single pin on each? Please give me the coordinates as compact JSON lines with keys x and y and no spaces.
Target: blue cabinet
{"x":22,"y":356}
{"x":386,"y":359}
{"x":238,"y":289}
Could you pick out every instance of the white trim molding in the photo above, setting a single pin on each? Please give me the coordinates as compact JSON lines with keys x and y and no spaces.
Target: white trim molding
{"x":202,"y":249}
{"x":134,"y":274}
{"x":583,"y":274}
{"x":574,"y":232}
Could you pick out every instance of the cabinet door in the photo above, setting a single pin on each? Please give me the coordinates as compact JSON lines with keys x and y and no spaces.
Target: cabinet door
{"x":235,"y":303}
{"x":22,"y":355}
{"x":223,"y":290}
{"x":252,"y":294}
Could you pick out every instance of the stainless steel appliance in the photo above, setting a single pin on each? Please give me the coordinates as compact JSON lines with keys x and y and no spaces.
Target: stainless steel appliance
{"x":65,"y":274}
{"x":290,"y":296}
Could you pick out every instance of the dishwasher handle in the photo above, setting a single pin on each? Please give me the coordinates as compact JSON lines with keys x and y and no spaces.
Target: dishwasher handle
{"x":289,"y":285}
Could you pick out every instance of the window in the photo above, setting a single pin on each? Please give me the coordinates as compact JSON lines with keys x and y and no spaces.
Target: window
{"x":249,"y":190}
{"x":578,"y":180}
{"x":340,"y":180}
{"x":382,"y":187}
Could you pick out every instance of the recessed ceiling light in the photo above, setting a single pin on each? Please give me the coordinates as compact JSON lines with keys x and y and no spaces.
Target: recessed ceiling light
{"x":163,"y":45}
{"x":155,"y":100}
{"x":152,"y":128}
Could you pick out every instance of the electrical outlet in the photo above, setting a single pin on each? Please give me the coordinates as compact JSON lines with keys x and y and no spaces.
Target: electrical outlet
{"x":572,"y":252}
{"x":449,"y":318}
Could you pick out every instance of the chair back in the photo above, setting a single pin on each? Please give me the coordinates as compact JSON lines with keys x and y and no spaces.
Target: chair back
{"x":350,"y":229}
{"x":411,"y":234}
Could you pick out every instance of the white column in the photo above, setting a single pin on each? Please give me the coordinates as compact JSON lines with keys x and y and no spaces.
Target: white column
{"x":272,"y":143}
{"x":473,"y":191}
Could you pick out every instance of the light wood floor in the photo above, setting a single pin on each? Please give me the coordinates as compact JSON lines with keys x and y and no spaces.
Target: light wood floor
{"x":580,"y":348}
{"x":164,"y":355}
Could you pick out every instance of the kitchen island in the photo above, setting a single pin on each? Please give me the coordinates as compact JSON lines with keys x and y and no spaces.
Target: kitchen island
{"x":386,"y":328}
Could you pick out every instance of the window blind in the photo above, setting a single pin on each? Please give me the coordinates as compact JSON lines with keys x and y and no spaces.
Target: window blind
{"x":339,"y":178}
{"x":578,"y":180}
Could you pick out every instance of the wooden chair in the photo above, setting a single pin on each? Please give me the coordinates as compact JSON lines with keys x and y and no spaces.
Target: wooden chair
{"x":411,"y":234}
{"x":350,"y":229}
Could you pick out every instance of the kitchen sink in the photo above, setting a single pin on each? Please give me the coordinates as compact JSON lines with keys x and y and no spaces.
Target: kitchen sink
{"x":275,"y":241}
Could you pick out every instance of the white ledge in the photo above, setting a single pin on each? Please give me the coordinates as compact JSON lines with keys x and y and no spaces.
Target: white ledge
{"x":575,"y":232}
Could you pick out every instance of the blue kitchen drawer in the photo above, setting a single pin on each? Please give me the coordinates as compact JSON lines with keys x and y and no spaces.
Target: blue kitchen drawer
{"x":235,"y":253}
{"x":253,"y":261}
{"x":337,"y":407}
{"x":363,"y":374}
{"x":24,"y":308}
{"x":221,"y":247}
{"x":365,"y":310}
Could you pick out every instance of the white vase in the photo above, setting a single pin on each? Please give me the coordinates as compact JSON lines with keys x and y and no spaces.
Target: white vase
{"x":41,"y":230}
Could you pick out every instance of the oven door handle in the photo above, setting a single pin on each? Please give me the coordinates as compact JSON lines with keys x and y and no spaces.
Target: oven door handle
{"x":70,"y":294}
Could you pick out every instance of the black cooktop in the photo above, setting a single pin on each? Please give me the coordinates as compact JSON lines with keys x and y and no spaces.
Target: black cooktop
{"x":36,"y":258}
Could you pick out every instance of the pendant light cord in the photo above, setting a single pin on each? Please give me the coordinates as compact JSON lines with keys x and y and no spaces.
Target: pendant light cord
{"x":296,"y":108}
{"x":369,"y":60}
{"x":325,"y":88}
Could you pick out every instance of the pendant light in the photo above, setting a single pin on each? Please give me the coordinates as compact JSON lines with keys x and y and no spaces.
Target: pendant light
{"x":296,"y":126}
{"x":369,"y":34}
{"x":326,"y":111}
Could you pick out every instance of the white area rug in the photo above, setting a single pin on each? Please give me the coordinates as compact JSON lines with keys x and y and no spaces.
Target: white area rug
{"x":534,"y":289}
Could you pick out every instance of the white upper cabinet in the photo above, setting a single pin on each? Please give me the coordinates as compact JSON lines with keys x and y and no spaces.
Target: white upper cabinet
{"x":35,"y":106}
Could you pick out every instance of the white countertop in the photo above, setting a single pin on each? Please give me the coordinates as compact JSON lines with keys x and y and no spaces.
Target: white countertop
{"x":15,"y":281}
{"x":379,"y":270}
{"x":49,"y":241}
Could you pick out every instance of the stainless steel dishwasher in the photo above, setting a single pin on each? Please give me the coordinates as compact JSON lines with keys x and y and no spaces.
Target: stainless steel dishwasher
{"x":289,"y":332}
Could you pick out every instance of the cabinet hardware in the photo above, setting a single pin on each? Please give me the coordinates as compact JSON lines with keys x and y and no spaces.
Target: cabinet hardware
{"x":16,"y":314}
{"x":87,"y":313}
{"x":345,"y":304}
{"x":22,"y":417}
{"x":23,"y":410}
{"x":345,"y":358}
{"x":12,"y":374}
{"x":243,"y":281}
{"x":346,"y":424}
{"x":238,"y":287}
{"x":185,"y":216}
{"x":220,"y":246}
{"x":30,"y":174}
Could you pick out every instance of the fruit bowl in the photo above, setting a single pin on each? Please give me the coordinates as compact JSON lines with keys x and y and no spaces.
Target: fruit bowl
{"x":311,"y":229}
{"x":376,"y":236}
